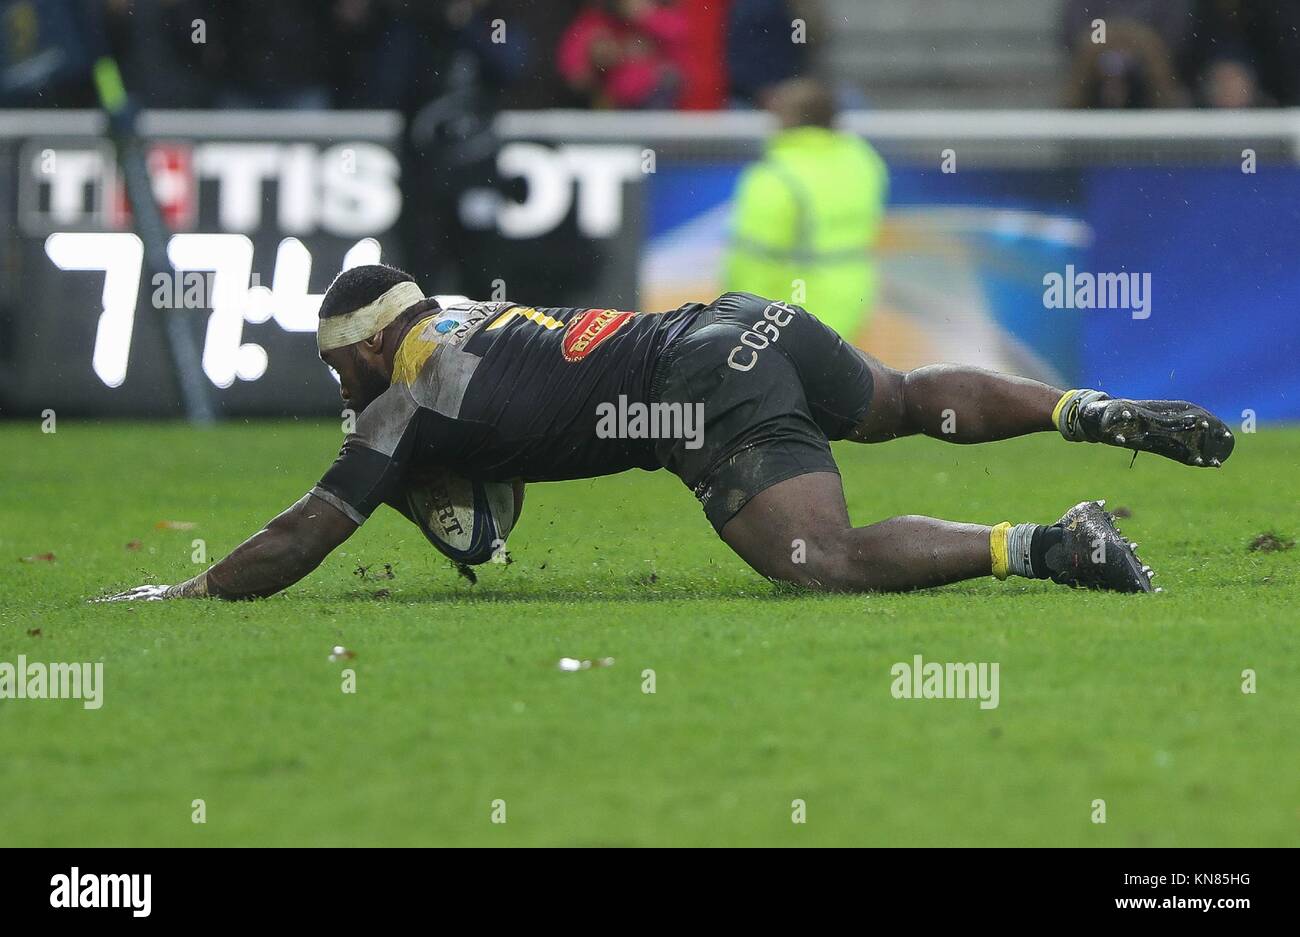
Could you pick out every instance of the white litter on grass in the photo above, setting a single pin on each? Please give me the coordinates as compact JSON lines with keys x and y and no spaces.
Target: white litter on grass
{"x":571,"y":664}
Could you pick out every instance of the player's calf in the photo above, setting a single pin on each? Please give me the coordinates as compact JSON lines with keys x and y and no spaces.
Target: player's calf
{"x":1084,"y":549}
{"x":895,"y":555}
{"x":798,"y":531}
{"x":955,"y":403}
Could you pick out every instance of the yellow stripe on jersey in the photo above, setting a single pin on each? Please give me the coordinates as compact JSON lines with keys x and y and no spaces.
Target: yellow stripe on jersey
{"x":412,"y":353}
{"x":532,"y":315}
{"x":502,"y":320}
{"x":542,"y":319}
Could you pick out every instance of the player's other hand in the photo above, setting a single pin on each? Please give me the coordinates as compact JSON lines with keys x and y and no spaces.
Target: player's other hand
{"x":139,"y":594}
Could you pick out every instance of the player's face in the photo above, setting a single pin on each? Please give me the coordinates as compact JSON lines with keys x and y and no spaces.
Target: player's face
{"x":361,"y":378}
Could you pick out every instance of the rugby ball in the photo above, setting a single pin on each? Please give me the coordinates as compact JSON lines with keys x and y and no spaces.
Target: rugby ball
{"x":467,"y":520}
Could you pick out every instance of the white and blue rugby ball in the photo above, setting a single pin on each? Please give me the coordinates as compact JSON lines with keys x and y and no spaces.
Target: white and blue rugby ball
{"x":468,"y":521}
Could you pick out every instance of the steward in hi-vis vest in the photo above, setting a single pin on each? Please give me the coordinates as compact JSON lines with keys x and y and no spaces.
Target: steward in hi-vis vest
{"x":808,"y":214}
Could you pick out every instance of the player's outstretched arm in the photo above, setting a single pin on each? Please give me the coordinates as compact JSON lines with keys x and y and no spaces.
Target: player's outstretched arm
{"x":284,"y":551}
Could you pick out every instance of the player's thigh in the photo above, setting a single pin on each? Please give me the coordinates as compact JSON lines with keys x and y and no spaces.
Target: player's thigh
{"x":791,"y":530}
{"x":845,"y":388}
{"x":886,"y":418}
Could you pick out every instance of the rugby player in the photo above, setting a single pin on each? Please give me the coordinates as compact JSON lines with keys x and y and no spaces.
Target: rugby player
{"x":502,"y":392}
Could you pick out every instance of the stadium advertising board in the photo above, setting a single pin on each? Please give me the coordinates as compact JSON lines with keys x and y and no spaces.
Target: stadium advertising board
{"x":632,"y":211}
{"x":262,"y":213}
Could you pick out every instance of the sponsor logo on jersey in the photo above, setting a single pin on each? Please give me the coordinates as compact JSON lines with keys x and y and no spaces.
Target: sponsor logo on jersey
{"x":454,"y":325}
{"x":590,"y":329}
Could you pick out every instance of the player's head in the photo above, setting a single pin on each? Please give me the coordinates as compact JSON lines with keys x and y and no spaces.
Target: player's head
{"x":360,"y":310}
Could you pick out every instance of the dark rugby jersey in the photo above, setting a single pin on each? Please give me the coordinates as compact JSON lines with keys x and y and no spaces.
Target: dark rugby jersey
{"x":498,"y":391}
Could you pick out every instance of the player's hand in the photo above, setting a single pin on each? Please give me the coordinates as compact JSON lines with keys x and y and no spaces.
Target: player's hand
{"x":196,"y":588}
{"x":140,"y":594}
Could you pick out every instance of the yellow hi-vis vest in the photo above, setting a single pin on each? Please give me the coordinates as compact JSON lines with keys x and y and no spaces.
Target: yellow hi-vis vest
{"x":804,"y":222}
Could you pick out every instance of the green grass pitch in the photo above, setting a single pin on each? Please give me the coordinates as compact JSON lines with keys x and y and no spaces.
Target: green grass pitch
{"x":761,"y":697}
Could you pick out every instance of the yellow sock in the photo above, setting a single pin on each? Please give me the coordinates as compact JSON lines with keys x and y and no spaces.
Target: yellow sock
{"x":1060,"y":405}
{"x":1066,"y":412}
{"x":998,"y":549}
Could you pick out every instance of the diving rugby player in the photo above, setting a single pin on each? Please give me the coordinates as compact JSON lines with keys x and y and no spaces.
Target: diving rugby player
{"x":501,"y":392}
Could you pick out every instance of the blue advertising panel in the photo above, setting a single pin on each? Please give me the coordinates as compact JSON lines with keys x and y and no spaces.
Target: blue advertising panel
{"x":967,"y":262}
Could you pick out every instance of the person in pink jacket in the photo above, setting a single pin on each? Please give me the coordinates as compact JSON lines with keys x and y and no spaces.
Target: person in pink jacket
{"x":625,"y":53}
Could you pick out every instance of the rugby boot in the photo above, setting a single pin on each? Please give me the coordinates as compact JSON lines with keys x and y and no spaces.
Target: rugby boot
{"x":1092,"y":554}
{"x":1174,"y":429}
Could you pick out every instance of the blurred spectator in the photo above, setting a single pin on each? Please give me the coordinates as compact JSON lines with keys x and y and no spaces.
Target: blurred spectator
{"x":47,"y":49}
{"x":441,"y":68}
{"x":397,"y":53}
{"x":806,"y":217}
{"x":261,"y":53}
{"x":762,"y":50}
{"x":625,"y":53}
{"x":1132,"y":68}
{"x":704,"y":68}
{"x":160,"y":62}
{"x":1229,"y":83}
{"x":1171,"y":20}
{"x":1229,"y":53}
{"x":1245,"y":52}
{"x":369,"y":70}
{"x":542,"y":24}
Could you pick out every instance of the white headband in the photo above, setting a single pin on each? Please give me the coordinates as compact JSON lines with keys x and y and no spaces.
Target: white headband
{"x":337,"y":331}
